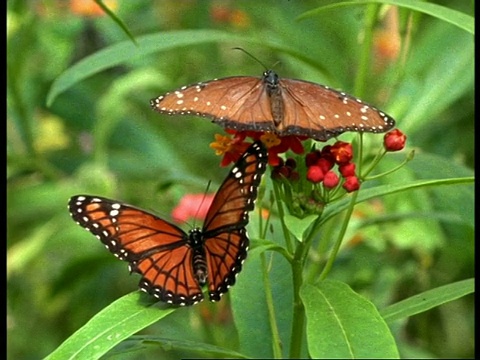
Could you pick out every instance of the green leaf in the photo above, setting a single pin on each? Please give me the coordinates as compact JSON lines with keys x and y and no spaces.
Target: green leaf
{"x":258,"y":246}
{"x":457,"y":18}
{"x":22,"y":253}
{"x":343,"y":324}
{"x":427,"y":300}
{"x":298,"y":226}
{"x":116,"y":322}
{"x":202,"y":349}
{"x":125,"y":51}
{"x":249,"y":305}
{"x":367,"y":194}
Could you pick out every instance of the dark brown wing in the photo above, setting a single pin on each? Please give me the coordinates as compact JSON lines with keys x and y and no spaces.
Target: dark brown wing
{"x":239,"y":103}
{"x":320,"y":112}
{"x":156,"y":249}
{"x":226,"y":241}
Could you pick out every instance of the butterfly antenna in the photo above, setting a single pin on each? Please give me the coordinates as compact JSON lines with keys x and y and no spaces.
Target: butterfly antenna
{"x":253,"y":57}
{"x":203,"y":200}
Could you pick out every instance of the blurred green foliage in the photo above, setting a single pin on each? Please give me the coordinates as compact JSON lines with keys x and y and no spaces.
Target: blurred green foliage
{"x":99,"y":136}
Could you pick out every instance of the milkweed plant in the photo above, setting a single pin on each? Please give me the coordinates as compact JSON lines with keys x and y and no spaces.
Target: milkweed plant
{"x":309,"y":188}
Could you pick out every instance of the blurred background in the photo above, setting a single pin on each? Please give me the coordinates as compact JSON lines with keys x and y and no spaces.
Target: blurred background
{"x":100,"y":136}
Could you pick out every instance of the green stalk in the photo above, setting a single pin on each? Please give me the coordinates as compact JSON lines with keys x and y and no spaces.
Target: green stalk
{"x":298,"y":320}
{"x":341,"y":235}
{"x":298,"y":264}
{"x":276,"y":341}
{"x":281,"y":214}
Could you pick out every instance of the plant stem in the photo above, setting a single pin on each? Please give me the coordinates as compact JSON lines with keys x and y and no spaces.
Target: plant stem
{"x":298,"y":320}
{"x":340,"y":237}
{"x":276,"y":342}
{"x":281,"y":215}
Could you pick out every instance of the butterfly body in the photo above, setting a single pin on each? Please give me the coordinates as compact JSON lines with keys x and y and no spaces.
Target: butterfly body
{"x":272,"y":104}
{"x":174,"y":264}
{"x":199,"y":262}
{"x":270,"y":78}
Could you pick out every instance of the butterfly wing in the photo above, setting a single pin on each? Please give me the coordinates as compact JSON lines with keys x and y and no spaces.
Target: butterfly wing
{"x":226,"y":240}
{"x":242,"y":103}
{"x":320,"y":112}
{"x":239,"y":103}
{"x":154,"y":248}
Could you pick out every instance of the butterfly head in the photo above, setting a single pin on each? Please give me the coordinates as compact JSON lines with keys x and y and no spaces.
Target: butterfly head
{"x":270,"y":78}
{"x":195,"y":237}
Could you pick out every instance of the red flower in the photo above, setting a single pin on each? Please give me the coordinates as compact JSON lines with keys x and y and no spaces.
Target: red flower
{"x":325,"y":164}
{"x":285,"y":170}
{"x":327,"y":153}
{"x":280,"y":172}
{"x":351,"y":184}
{"x":280,"y":145}
{"x":315,"y":174}
{"x":347,"y":169}
{"x":342,"y":152}
{"x":330,"y":180}
{"x":321,"y":162}
{"x":394,"y":140}
{"x":291,"y":163}
{"x":192,"y":206}
{"x":274,"y":159}
{"x":312,"y":157}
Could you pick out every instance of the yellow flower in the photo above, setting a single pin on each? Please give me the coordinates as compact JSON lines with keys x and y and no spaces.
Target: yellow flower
{"x":222,"y":144}
{"x":270,"y":140}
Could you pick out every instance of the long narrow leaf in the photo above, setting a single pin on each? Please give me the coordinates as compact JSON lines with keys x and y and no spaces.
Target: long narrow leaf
{"x":457,"y":18}
{"x":115,"y":323}
{"x":125,"y":51}
{"x":427,"y":300}
{"x":379,"y":191}
{"x":116,"y":19}
{"x":202,"y":349}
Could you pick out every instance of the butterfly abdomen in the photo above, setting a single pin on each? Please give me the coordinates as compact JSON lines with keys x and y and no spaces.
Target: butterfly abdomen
{"x":275,"y":93}
{"x":199,"y":261}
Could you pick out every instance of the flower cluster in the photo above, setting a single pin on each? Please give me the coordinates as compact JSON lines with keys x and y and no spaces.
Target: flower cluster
{"x":232,"y":147}
{"x":286,"y":170}
{"x":320,"y":164}
{"x":308,"y":182}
